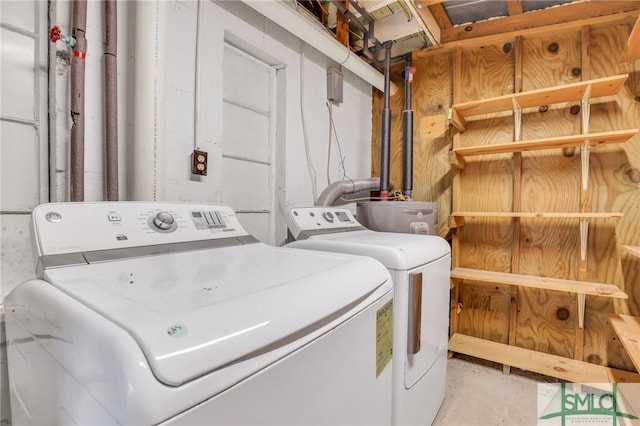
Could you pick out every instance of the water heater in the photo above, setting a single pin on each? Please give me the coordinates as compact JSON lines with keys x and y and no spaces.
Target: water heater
{"x":411,"y":217}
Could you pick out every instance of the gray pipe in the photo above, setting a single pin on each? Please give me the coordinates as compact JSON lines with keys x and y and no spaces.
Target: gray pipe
{"x":385,"y":140}
{"x":334,"y":191}
{"x":111,"y":98}
{"x":79,"y":25}
{"x":407,"y":132}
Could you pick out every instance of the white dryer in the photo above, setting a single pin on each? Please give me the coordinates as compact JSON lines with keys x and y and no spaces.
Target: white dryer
{"x":420,"y":267}
{"x":147,"y":313}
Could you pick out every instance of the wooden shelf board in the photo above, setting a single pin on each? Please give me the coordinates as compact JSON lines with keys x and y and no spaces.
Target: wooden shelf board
{"x":600,"y":87}
{"x":546,"y":283}
{"x":631,"y":51}
{"x":627,"y":328}
{"x":619,"y":136}
{"x":539,"y":362}
{"x":634,"y":250}
{"x":541,"y":215}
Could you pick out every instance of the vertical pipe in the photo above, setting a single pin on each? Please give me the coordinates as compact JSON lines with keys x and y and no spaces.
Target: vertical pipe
{"x":148,"y":110}
{"x":407,"y":130}
{"x":79,"y":24}
{"x":111,"y":98}
{"x":385,"y":140}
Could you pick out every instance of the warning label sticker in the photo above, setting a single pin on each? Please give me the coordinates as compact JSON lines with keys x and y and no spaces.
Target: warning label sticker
{"x":384,"y":336}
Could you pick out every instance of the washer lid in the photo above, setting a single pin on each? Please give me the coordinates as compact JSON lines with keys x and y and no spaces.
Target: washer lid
{"x":395,"y":250}
{"x":196,"y":312}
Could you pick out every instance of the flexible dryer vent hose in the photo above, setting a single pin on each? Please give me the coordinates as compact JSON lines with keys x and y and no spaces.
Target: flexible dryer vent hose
{"x":334,"y":191}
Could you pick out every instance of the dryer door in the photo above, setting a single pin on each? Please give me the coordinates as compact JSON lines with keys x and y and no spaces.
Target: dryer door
{"x":427,"y":317}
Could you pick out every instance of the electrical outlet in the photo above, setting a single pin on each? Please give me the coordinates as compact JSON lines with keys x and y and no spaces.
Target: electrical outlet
{"x":199,"y":163}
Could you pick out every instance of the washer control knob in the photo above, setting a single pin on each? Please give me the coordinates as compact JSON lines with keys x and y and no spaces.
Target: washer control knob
{"x":163,"y":221}
{"x":328,"y":216}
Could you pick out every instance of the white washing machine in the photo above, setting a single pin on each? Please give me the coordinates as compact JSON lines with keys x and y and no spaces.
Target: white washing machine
{"x":420,"y":267}
{"x":170,"y":313}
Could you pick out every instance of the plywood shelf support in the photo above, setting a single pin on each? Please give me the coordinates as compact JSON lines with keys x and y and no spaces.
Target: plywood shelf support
{"x":456,"y":197}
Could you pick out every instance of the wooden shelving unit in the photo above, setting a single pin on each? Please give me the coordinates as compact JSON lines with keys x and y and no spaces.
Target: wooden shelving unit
{"x":550,"y":365}
{"x":586,"y":92}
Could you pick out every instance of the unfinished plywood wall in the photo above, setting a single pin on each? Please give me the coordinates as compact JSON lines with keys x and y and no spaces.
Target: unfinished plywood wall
{"x":550,"y":181}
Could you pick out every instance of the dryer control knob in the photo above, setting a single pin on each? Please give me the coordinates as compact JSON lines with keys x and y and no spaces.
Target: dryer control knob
{"x":163,"y":221}
{"x":328,"y":216}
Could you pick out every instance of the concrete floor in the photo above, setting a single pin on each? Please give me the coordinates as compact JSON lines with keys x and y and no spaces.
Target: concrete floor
{"x":480,"y":394}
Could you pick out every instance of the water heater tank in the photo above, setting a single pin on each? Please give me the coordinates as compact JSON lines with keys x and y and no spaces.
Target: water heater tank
{"x":411,"y":217}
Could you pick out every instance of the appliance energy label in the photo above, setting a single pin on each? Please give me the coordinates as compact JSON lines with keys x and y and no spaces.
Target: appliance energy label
{"x":384,"y":336}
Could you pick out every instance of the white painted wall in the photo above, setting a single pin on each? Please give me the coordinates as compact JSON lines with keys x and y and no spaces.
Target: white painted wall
{"x":301,"y":102}
{"x":23,"y":149}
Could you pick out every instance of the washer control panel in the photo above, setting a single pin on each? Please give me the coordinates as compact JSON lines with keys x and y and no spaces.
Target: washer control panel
{"x":302,"y":219}
{"x":60,"y":228}
{"x":163,"y":222}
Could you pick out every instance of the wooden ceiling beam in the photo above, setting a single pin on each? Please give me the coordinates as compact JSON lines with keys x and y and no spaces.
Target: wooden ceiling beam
{"x":430,"y":25}
{"x":566,"y":14}
{"x":427,"y":3}
{"x":515,"y":7}
{"x":620,"y":18}
{"x":441,"y":16}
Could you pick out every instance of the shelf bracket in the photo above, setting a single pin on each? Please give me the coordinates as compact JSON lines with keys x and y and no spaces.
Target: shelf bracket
{"x":584,"y":231}
{"x":455,"y":282}
{"x":457,"y":120}
{"x":585,"y":150}
{"x":457,"y":160}
{"x":456,"y":221}
{"x":586,"y":145}
{"x":517,"y":119}
{"x":586,"y":109}
{"x":581,"y":304}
